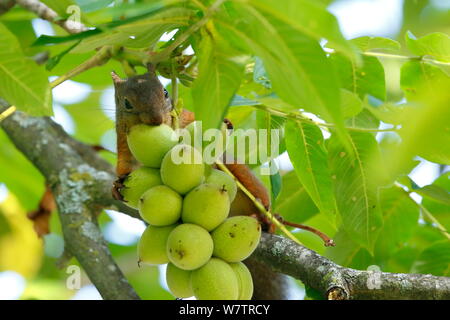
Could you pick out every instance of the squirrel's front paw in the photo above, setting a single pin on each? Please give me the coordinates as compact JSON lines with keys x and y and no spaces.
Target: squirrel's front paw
{"x":117,"y":187}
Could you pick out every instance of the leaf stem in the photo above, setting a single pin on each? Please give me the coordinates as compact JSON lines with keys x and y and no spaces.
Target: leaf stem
{"x":259,"y":205}
{"x":174,"y":83}
{"x":297,"y":116}
{"x":397,"y":56}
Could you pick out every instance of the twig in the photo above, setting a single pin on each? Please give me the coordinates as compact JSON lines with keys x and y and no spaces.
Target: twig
{"x":328,"y":242}
{"x":46,"y":13}
{"x":5,"y":114}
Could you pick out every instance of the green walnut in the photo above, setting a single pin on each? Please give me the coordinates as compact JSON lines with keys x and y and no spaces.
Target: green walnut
{"x":223,"y":180}
{"x":207,"y":206}
{"x":160,"y":206}
{"x":236,"y":238}
{"x":137,"y":182}
{"x":182,"y":168}
{"x":152,"y":245}
{"x":189,"y":246}
{"x":149,"y":144}
{"x":245,"y":281}
{"x":179,"y":281}
{"x":216,"y":280}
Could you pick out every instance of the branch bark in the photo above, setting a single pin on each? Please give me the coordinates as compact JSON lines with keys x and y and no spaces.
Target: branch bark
{"x":338,"y":283}
{"x":46,"y":13}
{"x":81,"y":182}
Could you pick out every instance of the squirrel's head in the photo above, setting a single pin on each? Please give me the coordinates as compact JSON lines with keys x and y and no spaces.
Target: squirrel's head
{"x":142,"y":96}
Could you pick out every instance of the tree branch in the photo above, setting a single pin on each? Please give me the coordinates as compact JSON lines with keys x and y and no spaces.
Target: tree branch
{"x":46,"y":13}
{"x":336,"y":282}
{"x":81,"y":182}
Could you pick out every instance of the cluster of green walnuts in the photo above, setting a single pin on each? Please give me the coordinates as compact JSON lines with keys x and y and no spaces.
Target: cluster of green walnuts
{"x":186,"y":204}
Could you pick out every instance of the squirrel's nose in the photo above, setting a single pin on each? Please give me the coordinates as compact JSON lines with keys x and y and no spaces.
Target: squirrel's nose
{"x":151,"y":119}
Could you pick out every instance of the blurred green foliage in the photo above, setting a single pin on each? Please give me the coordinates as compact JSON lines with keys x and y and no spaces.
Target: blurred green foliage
{"x":260,"y":63}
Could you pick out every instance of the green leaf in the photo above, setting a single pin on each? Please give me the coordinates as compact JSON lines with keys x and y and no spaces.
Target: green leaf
{"x":435,"y":44}
{"x":22,"y":82}
{"x":312,"y":241}
{"x":275,"y":183}
{"x":22,"y":178}
{"x":260,"y":75}
{"x":238,"y":101}
{"x":435,"y":193}
{"x":365,"y":79}
{"x":89,"y":6}
{"x":400,"y":219}
{"x":437,"y":204}
{"x":138,"y":32}
{"x":313,"y":294}
{"x":306,"y":150}
{"x":220,"y":75}
{"x":379,"y":43}
{"x":389,"y":112}
{"x":91,"y":122}
{"x":300,"y":72}
{"x":259,"y":148}
{"x":351,"y":103}
{"x":345,"y":250}
{"x":427,"y":122}
{"x":310,"y":18}
{"x":294,"y":203}
{"x":434,"y":260}
{"x":45,"y":39}
{"x":356,"y":186}
{"x":364,"y":119}
{"x":417,"y":76}
{"x":60,"y":6}
{"x":53,"y":61}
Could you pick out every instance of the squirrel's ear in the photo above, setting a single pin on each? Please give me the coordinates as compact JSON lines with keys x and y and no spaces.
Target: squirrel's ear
{"x":151,"y":69}
{"x":116,"y":78}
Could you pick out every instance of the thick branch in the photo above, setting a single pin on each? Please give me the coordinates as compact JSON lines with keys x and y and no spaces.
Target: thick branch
{"x":80,"y":187}
{"x":82,"y":181}
{"x":337,"y":282}
{"x":46,"y":13}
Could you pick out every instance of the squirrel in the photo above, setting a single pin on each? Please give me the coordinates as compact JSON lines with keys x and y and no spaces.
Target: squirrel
{"x":143,"y":99}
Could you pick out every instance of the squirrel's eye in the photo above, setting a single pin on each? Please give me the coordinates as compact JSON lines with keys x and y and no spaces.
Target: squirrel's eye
{"x":166,"y":93}
{"x":128,"y":105}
